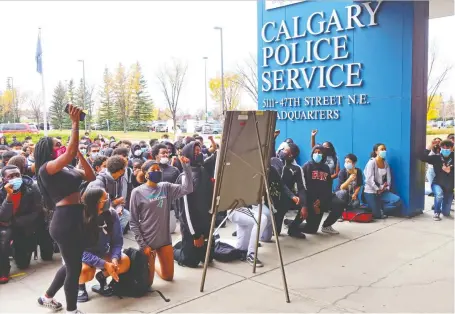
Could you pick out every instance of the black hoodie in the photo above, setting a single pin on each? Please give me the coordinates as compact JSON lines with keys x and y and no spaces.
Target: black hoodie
{"x":443,"y":179}
{"x":318,"y":182}
{"x":30,"y":213}
{"x":193,"y":209}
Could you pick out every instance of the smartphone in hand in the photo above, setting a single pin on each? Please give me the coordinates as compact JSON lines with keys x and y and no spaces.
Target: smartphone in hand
{"x":82,"y":116}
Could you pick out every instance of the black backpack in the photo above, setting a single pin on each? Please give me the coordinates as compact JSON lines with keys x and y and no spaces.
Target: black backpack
{"x":135,"y":282}
{"x":227,"y":253}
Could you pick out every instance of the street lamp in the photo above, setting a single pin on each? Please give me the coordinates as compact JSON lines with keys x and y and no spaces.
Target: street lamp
{"x":83,"y":89}
{"x":205,"y":86}
{"x":11,"y":84}
{"x":222,"y":70}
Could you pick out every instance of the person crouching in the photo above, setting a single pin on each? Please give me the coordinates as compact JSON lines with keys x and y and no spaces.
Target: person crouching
{"x":104,"y":241}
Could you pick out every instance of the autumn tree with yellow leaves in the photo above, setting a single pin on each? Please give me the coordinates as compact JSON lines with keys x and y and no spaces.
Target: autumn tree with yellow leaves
{"x":232,"y":89}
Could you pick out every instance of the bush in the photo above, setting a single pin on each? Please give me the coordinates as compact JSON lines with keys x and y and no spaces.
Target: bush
{"x":436,"y":131}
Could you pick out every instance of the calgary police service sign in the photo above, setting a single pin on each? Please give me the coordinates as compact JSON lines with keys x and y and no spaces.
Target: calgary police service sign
{"x":307,"y":69}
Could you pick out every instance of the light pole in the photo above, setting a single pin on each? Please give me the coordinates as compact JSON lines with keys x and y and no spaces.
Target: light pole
{"x":83,"y":89}
{"x":222,"y":70}
{"x":205,"y":86}
{"x":11,"y":84}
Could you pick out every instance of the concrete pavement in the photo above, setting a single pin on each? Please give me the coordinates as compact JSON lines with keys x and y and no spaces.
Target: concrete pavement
{"x":394,"y":265}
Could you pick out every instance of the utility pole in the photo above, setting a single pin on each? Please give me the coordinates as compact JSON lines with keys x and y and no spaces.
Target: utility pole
{"x":83,"y":89}
{"x":223,"y":108}
{"x":10,"y":85}
{"x":205,"y":86}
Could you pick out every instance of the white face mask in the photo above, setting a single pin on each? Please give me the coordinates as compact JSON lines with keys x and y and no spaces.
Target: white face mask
{"x":164,"y":160}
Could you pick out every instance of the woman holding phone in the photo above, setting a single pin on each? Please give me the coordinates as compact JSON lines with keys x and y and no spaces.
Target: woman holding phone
{"x":59,"y":184}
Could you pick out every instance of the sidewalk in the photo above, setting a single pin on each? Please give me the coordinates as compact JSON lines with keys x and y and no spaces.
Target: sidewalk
{"x":395,"y":265}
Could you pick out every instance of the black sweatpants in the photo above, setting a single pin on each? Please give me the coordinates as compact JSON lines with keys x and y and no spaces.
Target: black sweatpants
{"x":23,"y":247}
{"x":67,"y":230}
{"x":313,"y":220}
{"x":187,"y":254}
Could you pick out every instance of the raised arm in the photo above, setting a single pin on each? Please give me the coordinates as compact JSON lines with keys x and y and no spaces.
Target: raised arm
{"x":177,"y":191}
{"x":54,"y":166}
{"x":87,"y":171}
{"x":313,"y":138}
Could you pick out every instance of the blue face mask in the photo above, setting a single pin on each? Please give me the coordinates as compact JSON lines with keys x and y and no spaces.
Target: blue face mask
{"x":155,"y":176}
{"x":16,"y":183}
{"x":94,"y":155}
{"x":348,"y":165}
{"x":383,"y":154}
{"x":317,"y":158}
{"x":144,"y":149}
{"x":445,"y":152}
{"x":83,"y":152}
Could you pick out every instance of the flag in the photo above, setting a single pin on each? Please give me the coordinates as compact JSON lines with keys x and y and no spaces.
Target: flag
{"x":39,"y":56}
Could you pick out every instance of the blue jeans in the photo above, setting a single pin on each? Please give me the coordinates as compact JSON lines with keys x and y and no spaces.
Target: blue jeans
{"x":125,"y":218}
{"x":442,"y":200}
{"x":385,"y":203}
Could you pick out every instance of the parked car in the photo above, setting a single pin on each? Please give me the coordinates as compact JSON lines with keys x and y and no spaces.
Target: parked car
{"x":161,"y":127}
{"x":8,"y":128}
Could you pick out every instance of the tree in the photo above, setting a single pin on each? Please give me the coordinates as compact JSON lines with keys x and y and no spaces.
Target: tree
{"x":35,"y":104}
{"x":248,"y":77}
{"x":434,"y":106}
{"x":436,"y":76}
{"x":171,"y":79}
{"x":121,"y":93}
{"x":71,"y":92}
{"x":106,"y":111}
{"x":83,"y":99}
{"x":57,"y":109}
{"x":142,"y":108}
{"x":231,"y":90}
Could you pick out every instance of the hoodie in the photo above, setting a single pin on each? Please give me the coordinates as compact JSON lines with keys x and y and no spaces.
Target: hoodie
{"x":108,"y":244}
{"x":30,"y":211}
{"x":443,"y":179}
{"x":115,"y":188}
{"x":317,"y":180}
{"x":193,"y":209}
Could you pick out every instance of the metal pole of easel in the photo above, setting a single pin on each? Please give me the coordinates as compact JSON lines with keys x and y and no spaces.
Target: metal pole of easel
{"x":215,"y":198}
{"x":277,"y":241}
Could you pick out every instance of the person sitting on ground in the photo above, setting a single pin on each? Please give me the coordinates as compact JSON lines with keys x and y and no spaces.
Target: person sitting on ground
{"x":136,"y":152}
{"x":21,"y":220}
{"x":246,"y":222}
{"x":113,"y":181}
{"x":21,"y":163}
{"x":450,"y":137}
{"x":350,"y":181}
{"x":291,"y":176}
{"x":94,"y":151}
{"x":99,"y":164}
{"x":443,"y":182}
{"x":193,"y":210}
{"x":103,"y":245}
{"x":319,"y":198}
{"x":7,"y":156}
{"x":331,"y":155}
{"x":378,"y":179}
{"x":150,"y":214}
{"x":136,"y":178}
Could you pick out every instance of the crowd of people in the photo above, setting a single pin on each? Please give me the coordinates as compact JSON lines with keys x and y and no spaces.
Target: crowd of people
{"x":80,"y":196}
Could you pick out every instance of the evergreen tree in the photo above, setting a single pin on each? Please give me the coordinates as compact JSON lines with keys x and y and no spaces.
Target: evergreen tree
{"x":71,"y":92}
{"x":106,"y":111}
{"x":57,"y":109}
{"x":142,"y":110}
{"x":84,"y":100}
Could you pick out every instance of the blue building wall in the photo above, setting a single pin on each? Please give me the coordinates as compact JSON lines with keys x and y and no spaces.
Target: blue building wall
{"x":381,"y":112}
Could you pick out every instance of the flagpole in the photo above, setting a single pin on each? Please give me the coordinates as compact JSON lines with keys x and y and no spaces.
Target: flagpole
{"x":43,"y":91}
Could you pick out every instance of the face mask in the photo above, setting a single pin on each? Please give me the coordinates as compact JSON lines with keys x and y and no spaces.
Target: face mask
{"x":16,"y":183}
{"x":155,"y":176}
{"x":57,"y":152}
{"x":164,"y":160}
{"x":383,"y":154}
{"x":137,"y":152}
{"x":348,"y":165}
{"x":144,"y":149}
{"x":445,"y":152}
{"x":17,"y":151}
{"x":317,"y":158}
{"x":94,"y":155}
{"x":282,"y":155}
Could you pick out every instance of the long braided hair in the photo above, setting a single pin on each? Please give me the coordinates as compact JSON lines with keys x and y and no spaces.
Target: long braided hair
{"x":43,"y":154}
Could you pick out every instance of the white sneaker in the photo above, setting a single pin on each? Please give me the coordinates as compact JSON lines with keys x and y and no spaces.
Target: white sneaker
{"x":329,"y":230}
{"x":436,"y":217}
{"x":50,"y":303}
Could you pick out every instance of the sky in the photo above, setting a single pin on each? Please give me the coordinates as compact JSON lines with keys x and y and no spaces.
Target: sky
{"x":152,"y":32}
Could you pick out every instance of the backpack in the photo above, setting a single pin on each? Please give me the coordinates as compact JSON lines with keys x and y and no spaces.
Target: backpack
{"x":227,"y":253}
{"x":135,"y":282}
{"x":361,"y":214}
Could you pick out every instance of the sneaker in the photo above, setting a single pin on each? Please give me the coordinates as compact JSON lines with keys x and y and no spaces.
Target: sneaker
{"x":296,"y":234}
{"x":105,"y":291}
{"x":436,"y":217}
{"x":76,"y":311}
{"x":340,"y":219}
{"x":287,"y":222}
{"x":50,"y":303}
{"x":4,"y":279}
{"x":329,"y":230}
{"x":82,"y":296}
{"x":250,"y":260}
